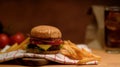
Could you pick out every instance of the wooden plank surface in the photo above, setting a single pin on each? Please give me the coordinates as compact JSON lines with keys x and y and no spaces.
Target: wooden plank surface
{"x":108,"y":60}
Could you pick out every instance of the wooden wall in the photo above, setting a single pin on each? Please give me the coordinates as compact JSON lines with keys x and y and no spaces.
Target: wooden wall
{"x":70,"y":16}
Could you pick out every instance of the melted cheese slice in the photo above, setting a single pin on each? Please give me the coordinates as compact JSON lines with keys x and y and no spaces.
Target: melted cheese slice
{"x":45,"y":47}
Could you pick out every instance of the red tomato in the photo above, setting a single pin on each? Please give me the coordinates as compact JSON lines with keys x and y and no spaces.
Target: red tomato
{"x":56,"y":42}
{"x":4,"y":40}
{"x":17,"y":38}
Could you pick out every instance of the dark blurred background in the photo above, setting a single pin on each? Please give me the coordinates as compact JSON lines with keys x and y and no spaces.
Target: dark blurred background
{"x":70,"y":16}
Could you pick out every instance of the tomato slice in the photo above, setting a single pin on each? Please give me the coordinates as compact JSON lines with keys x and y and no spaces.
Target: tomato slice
{"x":56,"y":42}
{"x":51,"y":42}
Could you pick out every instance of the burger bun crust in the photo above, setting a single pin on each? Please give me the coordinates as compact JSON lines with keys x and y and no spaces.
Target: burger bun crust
{"x":46,"y":31}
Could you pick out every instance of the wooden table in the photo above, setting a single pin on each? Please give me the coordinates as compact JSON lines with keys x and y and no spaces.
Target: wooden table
{"x":108,"y":60}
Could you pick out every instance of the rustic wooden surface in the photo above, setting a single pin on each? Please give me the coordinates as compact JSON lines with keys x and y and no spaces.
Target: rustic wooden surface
{"x":108,"y":60}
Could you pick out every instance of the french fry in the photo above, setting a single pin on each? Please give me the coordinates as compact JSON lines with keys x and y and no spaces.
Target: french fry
{"x":23,"y":44}
{"x":83,"y":51}
{"x":84,"y":60}
{"x":18,"y":46}
{"x":12,"y":48}
{"x":72,"y":51}
{"x":68,"y":51}
{"x":77,"y":50}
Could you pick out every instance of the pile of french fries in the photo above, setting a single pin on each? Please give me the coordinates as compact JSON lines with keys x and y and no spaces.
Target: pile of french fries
{"x":16,"y":46}
{"x":71,"y":50}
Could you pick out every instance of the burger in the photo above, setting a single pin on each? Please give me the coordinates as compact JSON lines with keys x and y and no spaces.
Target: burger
{"x":45,"y":39}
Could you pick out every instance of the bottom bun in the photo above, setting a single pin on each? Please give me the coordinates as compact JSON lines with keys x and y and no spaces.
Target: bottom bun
{"x":34,"y":61}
